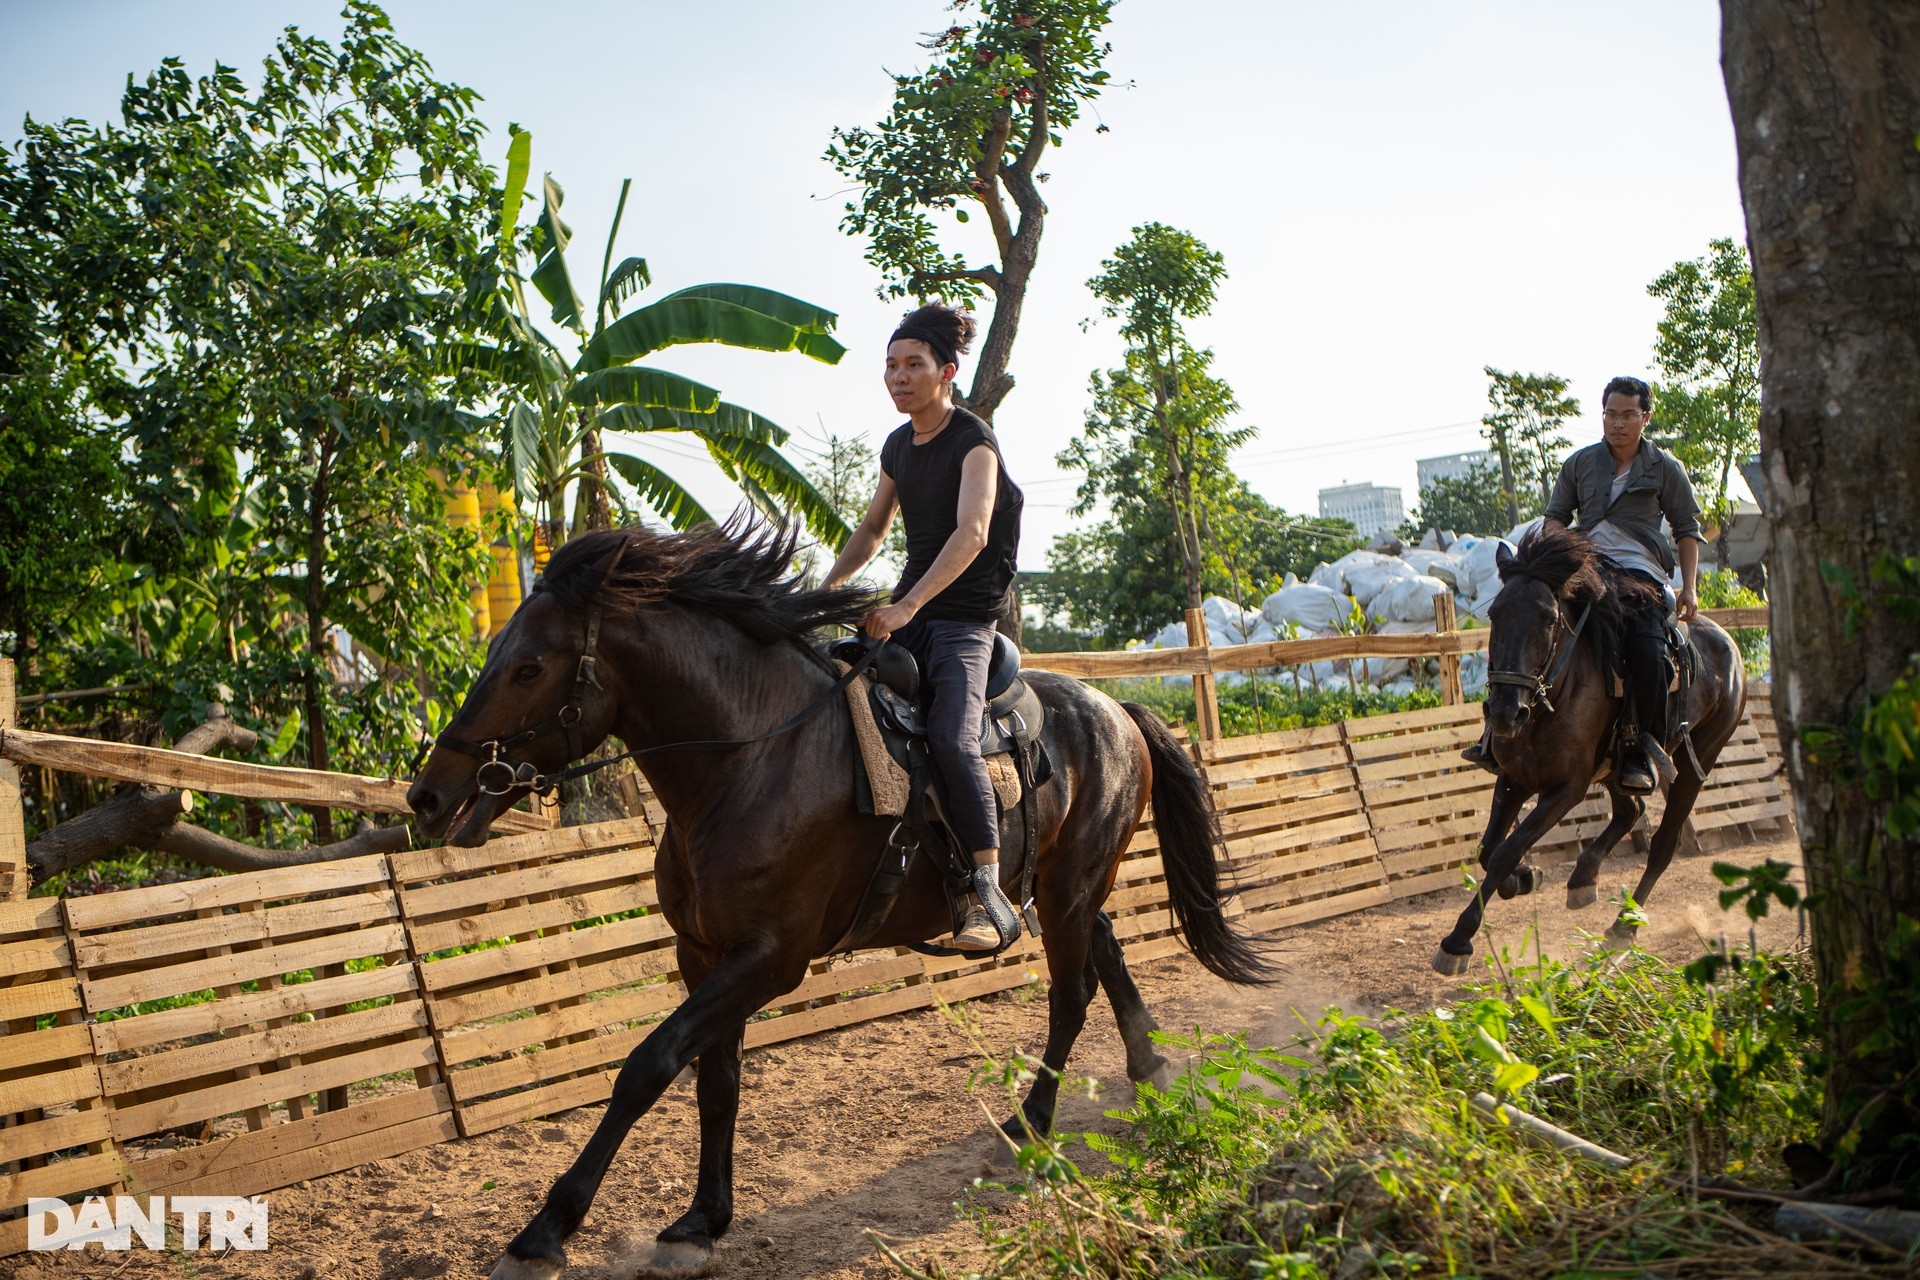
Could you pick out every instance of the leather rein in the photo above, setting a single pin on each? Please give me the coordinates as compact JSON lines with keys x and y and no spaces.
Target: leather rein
{"x":497,"y":775}
{"x":1541,"y":683}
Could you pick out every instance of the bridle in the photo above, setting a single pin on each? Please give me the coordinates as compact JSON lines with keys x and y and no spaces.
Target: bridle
{"x":1540,"y":684}
{"x":497,"y":775}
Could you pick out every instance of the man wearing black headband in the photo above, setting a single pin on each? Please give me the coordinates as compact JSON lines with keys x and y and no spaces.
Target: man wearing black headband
{"x":942,"y":470}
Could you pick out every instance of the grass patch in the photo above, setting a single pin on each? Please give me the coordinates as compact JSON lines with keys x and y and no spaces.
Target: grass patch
{"x":1357,"y":1153}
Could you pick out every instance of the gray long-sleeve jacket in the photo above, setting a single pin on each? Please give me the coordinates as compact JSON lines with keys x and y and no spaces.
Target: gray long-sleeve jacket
{"x":1657,"y":485}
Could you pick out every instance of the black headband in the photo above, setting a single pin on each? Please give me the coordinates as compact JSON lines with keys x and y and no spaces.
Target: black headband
{"x":938,"y":343}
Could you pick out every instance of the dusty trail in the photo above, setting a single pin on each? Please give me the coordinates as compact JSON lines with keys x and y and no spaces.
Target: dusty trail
{"x":873,"y":1126}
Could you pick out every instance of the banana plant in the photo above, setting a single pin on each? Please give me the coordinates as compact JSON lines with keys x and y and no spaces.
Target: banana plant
{"x":560,"y":406}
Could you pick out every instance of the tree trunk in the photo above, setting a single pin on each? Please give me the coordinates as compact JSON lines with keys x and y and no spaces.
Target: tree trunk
{"x":1506,"y":483}
{"x":1826,"y":108}
{"x":317,"y":624}
{"x":593,"y":505}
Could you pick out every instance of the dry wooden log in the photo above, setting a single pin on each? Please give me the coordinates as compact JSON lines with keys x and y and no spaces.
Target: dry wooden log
{"x":1896,"y":1228}
{"x":143,"y":816}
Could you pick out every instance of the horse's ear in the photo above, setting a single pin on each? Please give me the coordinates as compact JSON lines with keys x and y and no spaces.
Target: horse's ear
{"x":1502,"y":557}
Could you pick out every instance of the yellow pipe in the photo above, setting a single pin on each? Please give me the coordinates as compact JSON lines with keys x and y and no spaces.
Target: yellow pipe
{"x":503,"y":583}
{"x":463,"y":512}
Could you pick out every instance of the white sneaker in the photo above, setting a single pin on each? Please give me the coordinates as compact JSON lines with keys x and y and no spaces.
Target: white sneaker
{"x":976,"y":930}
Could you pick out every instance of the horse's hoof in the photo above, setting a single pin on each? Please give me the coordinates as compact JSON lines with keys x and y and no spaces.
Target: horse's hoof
{"x":676,"y":1260}
{"x":1450,"y":965}
{"x":1621,"y":936}
{"x":1582,"y":896}
{"x":512,"y":1268}
{"x":1161,"y":1077}
{"x":1509,"y":886}
{"x":1526,"y":879}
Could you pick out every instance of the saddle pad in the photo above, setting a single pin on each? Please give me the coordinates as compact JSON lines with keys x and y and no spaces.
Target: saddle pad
{"x":884,"y":774}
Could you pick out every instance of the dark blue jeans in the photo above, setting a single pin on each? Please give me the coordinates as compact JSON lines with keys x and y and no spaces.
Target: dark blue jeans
{"x":953,"y":658}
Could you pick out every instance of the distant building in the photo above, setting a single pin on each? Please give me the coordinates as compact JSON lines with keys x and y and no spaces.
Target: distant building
{"x":1452,"y":466}
{"x":1371,"y":507}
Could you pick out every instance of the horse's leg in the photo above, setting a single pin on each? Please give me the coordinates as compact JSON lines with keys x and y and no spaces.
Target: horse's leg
{"x":1456,"y":949}
{"x":1581,"y":888}
{"x":1507,"y":799}
{"x":1680,"y":797}
{"x":748,"y":977}
{"x":686,"y":1247}
{"x":1137,"y":1026}
{"x":1067,"y":942}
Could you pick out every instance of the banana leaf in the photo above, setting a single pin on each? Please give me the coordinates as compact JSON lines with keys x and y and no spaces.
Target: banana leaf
{"x":651,"y":388}
{"x":550,"y":275}
{"x":629,"y":278}
{"x":780,"y":478}
{"x":662,"y":492}
{"x":673,"y":321}
{"x":801,"y":315}
{"x":726,"y":421}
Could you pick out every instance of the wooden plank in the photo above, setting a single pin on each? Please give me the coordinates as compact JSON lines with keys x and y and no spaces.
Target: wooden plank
{"x":487,"y":1114}
{"x":29,"y":915}
{"x":248,"y":1008}
{"x":56,"y":1133}
{"x":130,"y":906}
{"x":529,"y":1069}
{"x":157,"y":766}
{"x":520,"y":992}
{"x":31,"y":1048}
{"x":49,"y":1089}
{"x":272,"y":924}
{"x":241,"y":966}
{"x":531,"y":917}
{"x":553,"y":948}
{"x":1127,"y":662}
{"x":262,"y":1048}
{"x":235,"y":1162}
{"x":592,"y":1015}
{"x":1448,"y":739}
{"x":1404,"y":722}
{"x":413,"y":865}
{"x":15,"y":879}
{"x":792,"y":1026}
{"x":56,"y":995}
{"x":558,"y":876}
{"x":33,"y":956}
{"x":316,"y":1162}
{"x":1279,"y":742}
{"x":138,"y":1119}
{"x":1744,"y":616}
{"x":60,"y":1178}
{"x":1317,"y":909}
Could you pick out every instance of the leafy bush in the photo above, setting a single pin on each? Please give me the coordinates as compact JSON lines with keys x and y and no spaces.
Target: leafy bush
{"x":1360,"y":1154}
{"x":1721,"y":589}
{"x":1265,"y":707}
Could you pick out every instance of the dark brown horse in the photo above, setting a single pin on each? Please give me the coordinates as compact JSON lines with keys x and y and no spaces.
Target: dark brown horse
{"x":705,"y":635}
{"x":1553,"y":726}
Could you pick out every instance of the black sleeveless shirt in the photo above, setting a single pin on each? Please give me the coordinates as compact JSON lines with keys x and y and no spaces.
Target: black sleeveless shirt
{"x":927,"y":477}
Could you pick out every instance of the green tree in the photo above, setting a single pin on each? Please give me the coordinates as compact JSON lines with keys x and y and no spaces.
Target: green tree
{"x":300,"y":250}
{"x":846,"y":471}
{"x":1125,"y":576}
{"x":1473,"y":503}
{"x":1708,"y":353}
{"x":561,"y":404}
{"x":1524,"y":427}
{"x":967,"y":136}
{"x":1152,"y":284}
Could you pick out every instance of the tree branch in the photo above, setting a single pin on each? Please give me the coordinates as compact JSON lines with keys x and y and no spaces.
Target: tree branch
{"x":987,"y":172}
{"x":989,"y":276}
{"x":1037,"y":130}
{"x":148,"y":817}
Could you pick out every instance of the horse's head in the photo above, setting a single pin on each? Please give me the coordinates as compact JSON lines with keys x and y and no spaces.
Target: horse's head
{"x":1529,"y":619}
{"x":538,"y":703}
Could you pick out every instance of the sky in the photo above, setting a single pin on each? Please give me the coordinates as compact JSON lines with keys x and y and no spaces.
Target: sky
{"x":1404,"y":191}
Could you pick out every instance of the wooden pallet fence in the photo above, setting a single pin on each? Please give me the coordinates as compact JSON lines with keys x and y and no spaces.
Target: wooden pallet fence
{"x":544,"y":960}
{"x":15,"y":878}
{"x":55,"y":1138}
{"x":259,"y":1029}
{"x":1298,"y":843}
{"x":1426,"y":807}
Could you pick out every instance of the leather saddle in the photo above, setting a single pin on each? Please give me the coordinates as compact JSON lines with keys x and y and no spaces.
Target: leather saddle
{"x":1014,"y":715}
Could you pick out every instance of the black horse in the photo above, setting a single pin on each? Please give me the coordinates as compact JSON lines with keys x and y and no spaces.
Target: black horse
{"x":705,"y":635}
{"x":1558,"y":627}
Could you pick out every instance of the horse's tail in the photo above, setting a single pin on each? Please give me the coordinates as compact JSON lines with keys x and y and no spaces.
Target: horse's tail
{"x":1189,"y":832}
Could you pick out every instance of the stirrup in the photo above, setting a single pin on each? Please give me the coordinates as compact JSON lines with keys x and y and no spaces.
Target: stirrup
{"x":991,"y":903}
{"x":1636,"y":776}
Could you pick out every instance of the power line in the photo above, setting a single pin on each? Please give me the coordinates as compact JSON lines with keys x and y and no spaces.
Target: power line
{"x":1324,"y":448}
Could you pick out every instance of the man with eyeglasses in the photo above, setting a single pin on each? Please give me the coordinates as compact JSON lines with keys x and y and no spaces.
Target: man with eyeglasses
{"x":1622,"y":486}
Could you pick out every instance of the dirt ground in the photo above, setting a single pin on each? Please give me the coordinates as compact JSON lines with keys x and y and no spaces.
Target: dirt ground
{"x":873,"y":1127}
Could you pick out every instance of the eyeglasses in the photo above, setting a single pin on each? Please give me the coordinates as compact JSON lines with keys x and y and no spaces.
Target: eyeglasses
{"x":1624,"y":415}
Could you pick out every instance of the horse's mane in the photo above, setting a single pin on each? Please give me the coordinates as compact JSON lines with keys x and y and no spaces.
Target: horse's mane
{"x":1569,"y":565}
{"x":741,"y":571}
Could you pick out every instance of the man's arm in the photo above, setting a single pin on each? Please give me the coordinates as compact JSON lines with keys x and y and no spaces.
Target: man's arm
{"x":1687,"y":604}
{"x":1682,"y":511}
{"x":979,"y":476}
{"x":866,"y":538}
{"x":1565,"y":495}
